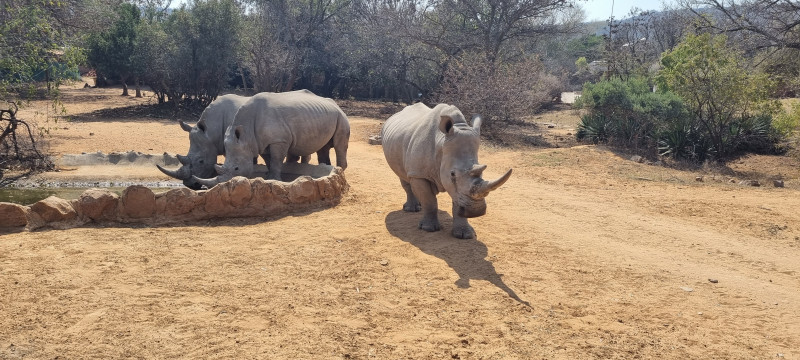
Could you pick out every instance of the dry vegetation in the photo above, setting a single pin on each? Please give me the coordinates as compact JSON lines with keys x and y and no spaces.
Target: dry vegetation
{"x":582,"y":254}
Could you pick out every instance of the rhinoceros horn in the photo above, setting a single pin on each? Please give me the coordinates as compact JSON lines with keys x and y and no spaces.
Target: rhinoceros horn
{"x":485,"y":187}
{"x":181,"y":174}
{"x":184,"y":159}
{"x":209,"y":183}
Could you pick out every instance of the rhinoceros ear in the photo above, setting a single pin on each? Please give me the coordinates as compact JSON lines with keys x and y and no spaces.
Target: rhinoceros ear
{"x":185,"y":126}
{"x":238,"y":131}
{"x":477,"y":120}
{"x":446,"y":125}
{"x":202,"y":125}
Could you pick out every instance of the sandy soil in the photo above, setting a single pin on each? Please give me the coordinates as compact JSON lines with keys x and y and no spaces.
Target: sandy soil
{"x":582,"y":254}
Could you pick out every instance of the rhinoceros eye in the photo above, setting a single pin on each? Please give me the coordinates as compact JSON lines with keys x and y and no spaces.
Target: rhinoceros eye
{"x":236,"y":168}
{"x":452,"y":173}
{"x":201,"y":161}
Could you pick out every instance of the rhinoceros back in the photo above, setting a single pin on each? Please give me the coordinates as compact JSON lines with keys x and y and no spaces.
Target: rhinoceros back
{"x":409,"y":141}
{"x":305,"y":121}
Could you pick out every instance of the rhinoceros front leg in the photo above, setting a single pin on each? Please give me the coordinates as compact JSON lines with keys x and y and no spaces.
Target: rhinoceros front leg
{"x":277,"y":152}
{"x":412,"y":204}
{"x":461,"y":228}
{"x":423,"y":190}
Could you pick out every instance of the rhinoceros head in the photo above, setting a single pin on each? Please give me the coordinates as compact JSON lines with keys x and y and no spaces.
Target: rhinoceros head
{"x":459,"y":170}
{"x":240,"y":158}
{"x":199,"y":161}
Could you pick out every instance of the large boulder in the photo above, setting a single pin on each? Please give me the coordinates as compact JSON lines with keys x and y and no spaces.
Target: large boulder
{"x":138,"y":202}
{"x":303,"y":190}
{"x":54,"y":209}
{"x":240,"y":191}
{"x":98,"y":204}
{"x":12,"y":215}
{"x":178,"y":202}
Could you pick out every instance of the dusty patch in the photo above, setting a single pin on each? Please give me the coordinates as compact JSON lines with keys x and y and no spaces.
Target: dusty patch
{"x":582,"y":254}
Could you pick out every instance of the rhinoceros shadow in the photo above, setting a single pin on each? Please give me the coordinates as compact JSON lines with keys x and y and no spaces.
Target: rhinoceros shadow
{"x":466,"y":257}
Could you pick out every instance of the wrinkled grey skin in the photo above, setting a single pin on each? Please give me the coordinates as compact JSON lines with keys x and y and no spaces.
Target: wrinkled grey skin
{"x":281,"y":125}
{"x":206,"y":140}
{"x":436,"y":150}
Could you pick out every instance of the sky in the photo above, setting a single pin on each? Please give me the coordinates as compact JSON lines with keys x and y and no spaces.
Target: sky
{"x":601,"y":9}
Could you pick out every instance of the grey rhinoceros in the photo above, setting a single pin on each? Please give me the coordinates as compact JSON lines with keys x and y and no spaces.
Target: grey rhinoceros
{"x":436,"y":150}
{"x":206,"y":140}
{"x":277,"y":125}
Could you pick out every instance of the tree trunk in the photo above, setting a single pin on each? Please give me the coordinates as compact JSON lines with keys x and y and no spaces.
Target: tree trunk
{"x":244,"y":80}
{"x":138,"y":87}
{"x":124,"y":86}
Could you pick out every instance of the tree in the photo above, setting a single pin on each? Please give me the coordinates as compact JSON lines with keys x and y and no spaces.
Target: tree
{"x":724,"y":96}
{"x":770,"y":23}
{"x":111,"y":51}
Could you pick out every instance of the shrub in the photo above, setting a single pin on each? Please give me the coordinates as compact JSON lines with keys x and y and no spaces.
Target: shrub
{"x":728,"y":102}
{"x":499,"y":92}
{"x":628,"y":113}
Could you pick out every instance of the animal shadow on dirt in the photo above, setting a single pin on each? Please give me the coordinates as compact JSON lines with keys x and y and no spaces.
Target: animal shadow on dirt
{"x":466,"y":257}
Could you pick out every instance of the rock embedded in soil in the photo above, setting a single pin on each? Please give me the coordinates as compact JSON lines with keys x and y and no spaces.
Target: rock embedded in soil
{"x":54,"y":209}
{"x":12,"y":215}
{"x":239,"y":197}
{"x":777,"y":183}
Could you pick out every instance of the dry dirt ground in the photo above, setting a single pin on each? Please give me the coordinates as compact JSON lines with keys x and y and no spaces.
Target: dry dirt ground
{"x":582,"y":254}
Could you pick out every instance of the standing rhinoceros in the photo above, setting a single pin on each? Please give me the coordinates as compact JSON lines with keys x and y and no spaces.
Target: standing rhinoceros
{"x":206,"y":140}
{"x":277,"y":125}
{"x":436,"y":150}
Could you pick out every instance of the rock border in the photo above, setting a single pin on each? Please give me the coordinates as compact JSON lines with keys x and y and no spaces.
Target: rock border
{"x":236,"y":198}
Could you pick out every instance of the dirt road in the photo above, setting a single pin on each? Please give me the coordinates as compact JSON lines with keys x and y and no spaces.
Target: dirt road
{"x":582,"y":254}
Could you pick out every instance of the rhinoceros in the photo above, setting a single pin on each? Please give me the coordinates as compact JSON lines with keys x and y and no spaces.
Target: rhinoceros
{"x":436,"y":150}
{"x":206,"y":140}
{"x":277,"y":125}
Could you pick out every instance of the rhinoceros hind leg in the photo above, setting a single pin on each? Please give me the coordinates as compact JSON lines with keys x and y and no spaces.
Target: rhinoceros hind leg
{"x":324,"y":154}
{"x":423,"y":190}
{"x":412,"y":204}
{"x":295,"y":159}
{"x":461,"y":228}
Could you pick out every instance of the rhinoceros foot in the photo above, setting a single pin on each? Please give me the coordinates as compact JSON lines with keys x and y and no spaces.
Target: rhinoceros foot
{"x":430,"y":225}
{"x":464,"y":231}
{"x":412,"y":206}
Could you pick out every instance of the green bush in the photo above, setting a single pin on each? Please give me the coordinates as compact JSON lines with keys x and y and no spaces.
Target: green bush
{"x":786,"y":123}
{"x":729,"y":103}
{"x":628,"y":113}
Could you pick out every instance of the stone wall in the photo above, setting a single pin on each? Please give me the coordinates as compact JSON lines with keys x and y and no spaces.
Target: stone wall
{"x":239,"y":197}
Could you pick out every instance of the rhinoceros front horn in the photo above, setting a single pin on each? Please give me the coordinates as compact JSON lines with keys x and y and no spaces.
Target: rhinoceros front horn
{"x":209,"y":183}
{"x":181,"y":174}
{"x":487,"y":186}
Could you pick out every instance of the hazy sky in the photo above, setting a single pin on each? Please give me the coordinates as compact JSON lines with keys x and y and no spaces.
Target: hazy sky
{"x":601,"y":9}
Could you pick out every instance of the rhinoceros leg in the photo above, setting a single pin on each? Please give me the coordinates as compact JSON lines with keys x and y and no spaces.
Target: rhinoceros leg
{"x":461,"y":228}
{"x":424,"y":191}
{"x":277,"y":152}
{"x":340,"y":141}
{"x":295,"y":159}
{"x":324,"y":154}
{"x":412,"y":204}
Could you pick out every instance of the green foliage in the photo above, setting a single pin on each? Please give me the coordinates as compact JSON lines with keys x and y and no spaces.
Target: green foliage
{"x":111,"y":51}
{"x":33,"y":48}
{"x":786,"y":122}
{"x":728,"y":103}
{"x":628,"y":113}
